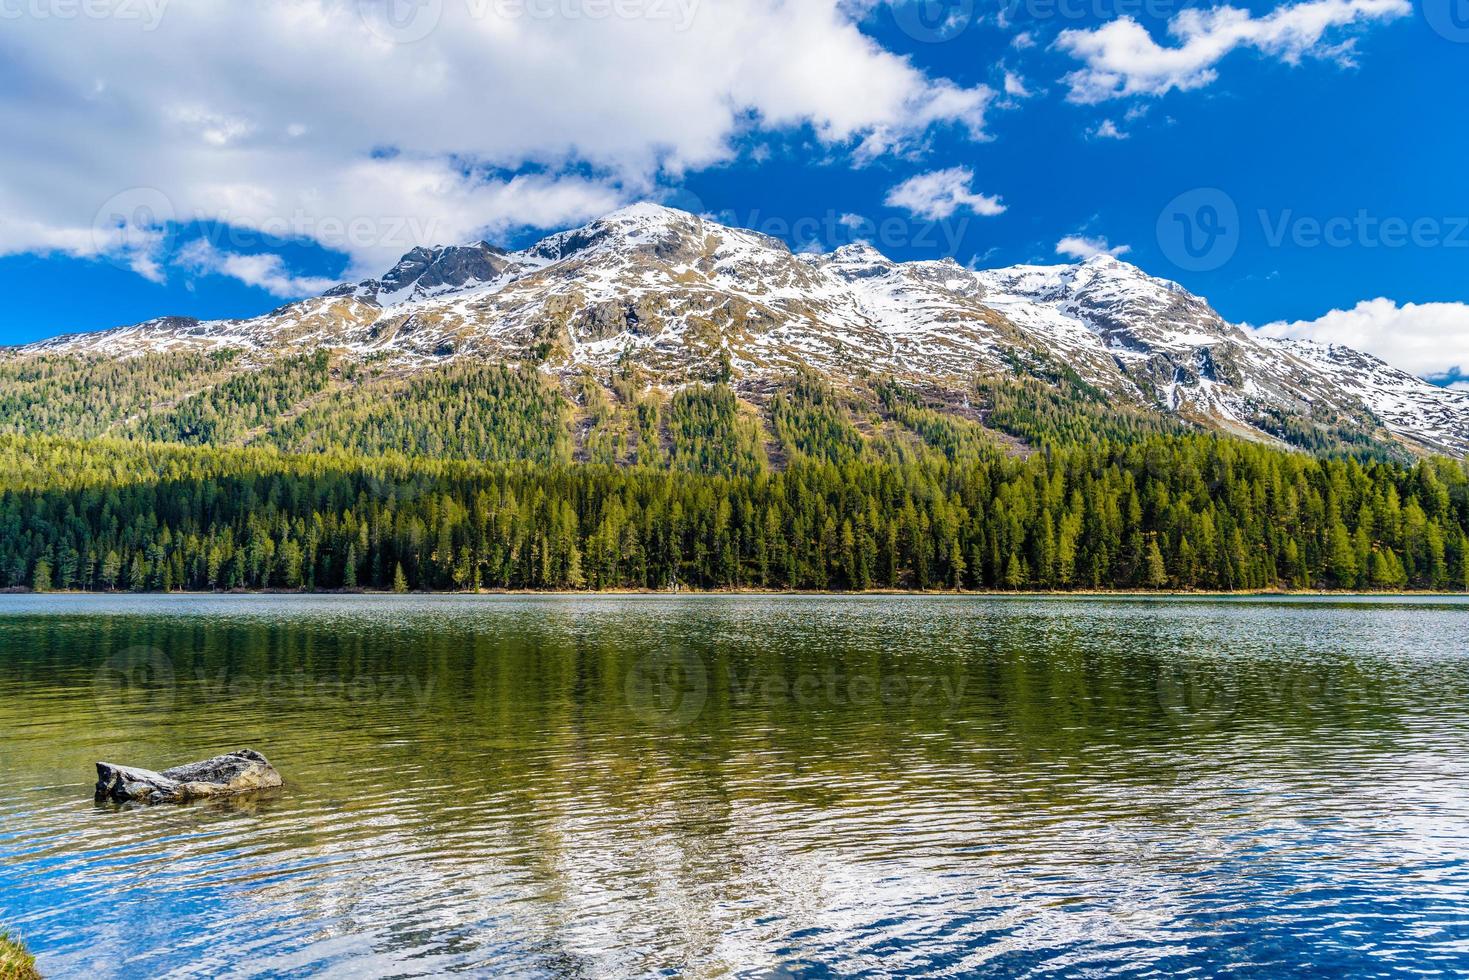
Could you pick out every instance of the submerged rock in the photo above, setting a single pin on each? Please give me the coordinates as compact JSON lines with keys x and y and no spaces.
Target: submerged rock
{"x":227,"y":775}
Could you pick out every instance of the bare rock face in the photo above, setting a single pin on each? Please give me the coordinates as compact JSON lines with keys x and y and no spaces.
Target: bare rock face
{"x":228,"y":775}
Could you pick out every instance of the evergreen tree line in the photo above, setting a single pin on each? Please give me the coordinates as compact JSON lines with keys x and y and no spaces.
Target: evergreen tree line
{"x":1182,"y":511}
{"x":318,"y":401}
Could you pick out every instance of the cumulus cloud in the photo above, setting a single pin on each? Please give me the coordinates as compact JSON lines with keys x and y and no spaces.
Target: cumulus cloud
{"x":1107,"y":130}
{"x":310,"y":114}
{"x":941,"y":194}
{"x":1428,"y":339}
{"x":1122,"y":59}
{"x":1084,"y":247}
{"x":262,"y":270}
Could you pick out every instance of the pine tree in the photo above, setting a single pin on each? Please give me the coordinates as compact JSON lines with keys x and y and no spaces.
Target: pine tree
{"x":1343,"y":556}
{"x":111,"y":569}
{"x":41,"y":577}
{"x":1015,"y":576}
{"x":1157,"y":573}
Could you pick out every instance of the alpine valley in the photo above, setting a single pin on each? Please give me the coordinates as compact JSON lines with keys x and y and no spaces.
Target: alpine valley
{"x":596,"y":327}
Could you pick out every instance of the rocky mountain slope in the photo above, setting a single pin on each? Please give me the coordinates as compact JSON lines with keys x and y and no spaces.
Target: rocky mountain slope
{"x":669,"y":298}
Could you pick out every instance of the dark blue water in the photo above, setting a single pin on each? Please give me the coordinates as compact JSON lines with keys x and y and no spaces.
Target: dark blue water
{"x":568,"y":787}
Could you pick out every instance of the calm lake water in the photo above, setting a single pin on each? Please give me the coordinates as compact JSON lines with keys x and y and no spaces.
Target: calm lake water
{"x":711,"y":786}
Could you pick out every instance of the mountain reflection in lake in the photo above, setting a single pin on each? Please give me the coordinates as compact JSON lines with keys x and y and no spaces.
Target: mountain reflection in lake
{"x":706,"y":786}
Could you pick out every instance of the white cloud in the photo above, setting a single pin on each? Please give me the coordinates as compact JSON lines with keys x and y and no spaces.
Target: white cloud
{"x":940,"y":194}
{"x":1107,"y":130}
{"x":978,"y":260}
{"x":306,"y":114}
{"x":1121,"y":58}
{"x":264,"y":270}
{"x":1084,"y":247}
{"x":1428,"y":339}
{"x":1015,"y":86}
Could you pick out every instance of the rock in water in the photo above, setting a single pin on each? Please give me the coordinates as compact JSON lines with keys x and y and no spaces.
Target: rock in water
{"x":239,"y":772}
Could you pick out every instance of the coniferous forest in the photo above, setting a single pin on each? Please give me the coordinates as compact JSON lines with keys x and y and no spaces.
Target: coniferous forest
{"x":1190,"y":512}
{"x":492,"y":477}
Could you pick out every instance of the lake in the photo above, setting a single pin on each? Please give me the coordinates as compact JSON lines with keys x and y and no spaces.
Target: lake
{"x":743,"y":786}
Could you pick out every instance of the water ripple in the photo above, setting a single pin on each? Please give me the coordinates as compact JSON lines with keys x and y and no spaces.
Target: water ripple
{"x":569,"y":787}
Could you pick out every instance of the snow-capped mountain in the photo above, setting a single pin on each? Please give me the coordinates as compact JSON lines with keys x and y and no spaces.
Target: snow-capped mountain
{"x":680,"y":295}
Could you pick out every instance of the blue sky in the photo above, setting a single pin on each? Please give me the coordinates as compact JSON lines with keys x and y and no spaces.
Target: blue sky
{"x":1300,"y":164}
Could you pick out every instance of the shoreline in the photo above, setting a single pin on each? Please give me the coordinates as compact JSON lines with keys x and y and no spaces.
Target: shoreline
{"x":773,"y":593}
{"x":16,"y":962}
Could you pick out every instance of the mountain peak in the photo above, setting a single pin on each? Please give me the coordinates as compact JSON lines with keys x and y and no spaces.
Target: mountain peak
{"x":647,"y":211}
{"x":858,"y":252}
{"x":649,"y":220}
{"x":677,"y":294}
{"x":432,"y":270}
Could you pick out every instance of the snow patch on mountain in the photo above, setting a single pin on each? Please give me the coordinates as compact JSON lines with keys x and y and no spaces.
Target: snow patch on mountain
{"x":678,"y":293}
